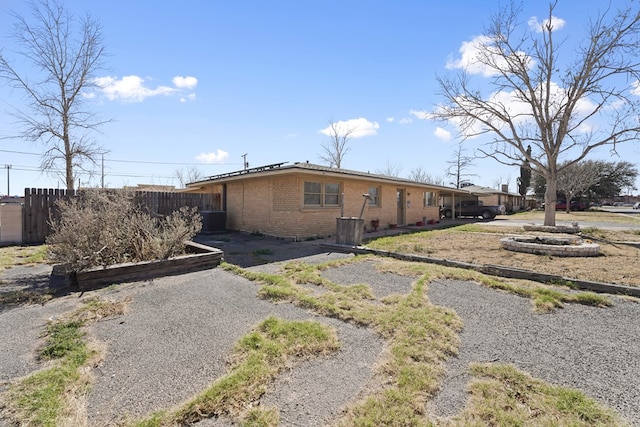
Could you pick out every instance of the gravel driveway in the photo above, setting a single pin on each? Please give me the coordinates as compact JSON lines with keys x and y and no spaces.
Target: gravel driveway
{"x":179,"y":330}
{"x":596,"y":350}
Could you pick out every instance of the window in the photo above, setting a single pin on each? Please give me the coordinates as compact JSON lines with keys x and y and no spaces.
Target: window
{"x":331,"y":194}
{"x":430,"y":198}
{"x":321,"y":194}
{"x":312,"y":193}
{"x":374,"y":193}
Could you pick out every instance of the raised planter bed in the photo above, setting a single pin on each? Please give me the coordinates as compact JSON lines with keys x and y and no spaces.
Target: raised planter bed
{"x":556,"y":246}
{"x":568,"y":229}
{"x":202,"y":257}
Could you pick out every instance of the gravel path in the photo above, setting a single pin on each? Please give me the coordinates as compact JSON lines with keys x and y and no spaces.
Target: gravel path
{"x":179,"y":331}
{"x":596,"y":350}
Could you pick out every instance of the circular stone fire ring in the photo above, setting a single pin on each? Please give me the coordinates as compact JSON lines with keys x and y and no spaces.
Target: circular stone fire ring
{"x":556,"y":246}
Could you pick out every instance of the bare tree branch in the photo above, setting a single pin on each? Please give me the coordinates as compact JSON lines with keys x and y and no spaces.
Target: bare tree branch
{"x":533,"y":102}
{"x":458,"y":167}
{"x":390,"y":169}
{"x":64,"y":52}
{"x":420,"y":175}
{"x":336,"y":146}
{"x":191,"y":174}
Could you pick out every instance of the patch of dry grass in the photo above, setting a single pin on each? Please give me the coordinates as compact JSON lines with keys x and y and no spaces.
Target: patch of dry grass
{"x":580,"y":217}
{"x":22,"y":255}
{"x":481,"y":245}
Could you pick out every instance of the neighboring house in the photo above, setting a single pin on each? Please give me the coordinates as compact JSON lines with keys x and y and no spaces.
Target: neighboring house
{"x":151,"y":187}
{"x":490,"y":196}
{"x":303,"y":200}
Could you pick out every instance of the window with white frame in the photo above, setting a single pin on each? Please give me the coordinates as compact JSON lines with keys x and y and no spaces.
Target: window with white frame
{"x":430,"y":198}
{"x":321,"y":193}
{"x":374,"y":194}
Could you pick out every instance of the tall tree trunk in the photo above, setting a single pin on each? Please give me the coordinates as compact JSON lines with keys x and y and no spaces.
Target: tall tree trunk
{"x":568,"y":196}
{"x":550,"y":198}
{"x":68,"y":160}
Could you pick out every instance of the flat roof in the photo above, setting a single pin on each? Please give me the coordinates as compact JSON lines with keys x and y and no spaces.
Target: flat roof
{"x":283,"y":168}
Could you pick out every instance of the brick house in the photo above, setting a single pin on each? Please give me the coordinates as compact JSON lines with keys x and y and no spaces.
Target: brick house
{"x":303,"y":200}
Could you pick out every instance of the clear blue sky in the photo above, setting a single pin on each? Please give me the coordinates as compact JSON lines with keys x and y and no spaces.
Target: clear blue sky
{"x":201,"y":83}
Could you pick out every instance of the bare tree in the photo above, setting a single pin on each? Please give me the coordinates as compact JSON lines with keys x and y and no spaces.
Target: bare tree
{"x":500,"y":181}
{"x":420,"y":175}
{"x":390,"y":169}
{"x":610,"y":179}
{"x":189,"y":175}
{"x":536,"y":102}
{"x":458,"y":167}
{"x":336,"y":146}
{"x":577,"y":178}
{"x":64,"y":53}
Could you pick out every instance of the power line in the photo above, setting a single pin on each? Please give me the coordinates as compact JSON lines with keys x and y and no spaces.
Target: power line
{"x":135,"y":161}
{"x":20,"y":152}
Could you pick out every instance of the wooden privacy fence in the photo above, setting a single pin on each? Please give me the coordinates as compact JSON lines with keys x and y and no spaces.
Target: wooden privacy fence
{"x":39,"y":206}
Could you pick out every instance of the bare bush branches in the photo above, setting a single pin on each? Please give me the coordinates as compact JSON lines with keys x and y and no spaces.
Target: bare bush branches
{"x":99,"y":228}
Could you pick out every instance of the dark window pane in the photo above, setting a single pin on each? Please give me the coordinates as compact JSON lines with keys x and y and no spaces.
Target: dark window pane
{"x":332,"y":188}
{"x":330,"y":199}
{"x":312,"y":199}
{"x":312,"y":187}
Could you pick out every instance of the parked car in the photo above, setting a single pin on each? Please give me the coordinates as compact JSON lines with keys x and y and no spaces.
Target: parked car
{"x":474,"y":208}
{"x":561,"y":205}
{"x":636,"y":205}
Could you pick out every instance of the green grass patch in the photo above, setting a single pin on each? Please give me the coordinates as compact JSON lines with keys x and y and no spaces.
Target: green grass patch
{"x":503,"y":395}
{"x":63,"y":339}
{"x":258,"y":357}
{"x":544,"y":298}
{"x":43,"y":398}
{"x":11,"y":256}
{"x":420,"y":336}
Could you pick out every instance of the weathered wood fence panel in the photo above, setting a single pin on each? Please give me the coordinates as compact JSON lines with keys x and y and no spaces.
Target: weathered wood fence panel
{"x":39,"y":207}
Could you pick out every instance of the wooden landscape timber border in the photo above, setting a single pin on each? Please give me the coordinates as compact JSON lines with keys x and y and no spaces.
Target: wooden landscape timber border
{"x":494,"y":270}
{"x":205,"y":257}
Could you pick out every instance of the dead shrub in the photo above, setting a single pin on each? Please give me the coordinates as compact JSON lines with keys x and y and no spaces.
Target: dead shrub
{"x":106,"y":227}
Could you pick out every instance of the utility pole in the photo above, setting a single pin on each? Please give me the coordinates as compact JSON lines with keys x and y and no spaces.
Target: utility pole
{"x":8,"y":168}
{"x":246,"y":164}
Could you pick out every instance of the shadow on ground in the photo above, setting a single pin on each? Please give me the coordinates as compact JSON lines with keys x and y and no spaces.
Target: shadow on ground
{"x":249,"y":250}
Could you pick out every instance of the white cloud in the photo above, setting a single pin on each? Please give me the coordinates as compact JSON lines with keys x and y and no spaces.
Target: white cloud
{"x":360,"y":127}
{"x":422,"y":115}
{"x":190,"y":97}
{"x":442,"y":134}
{"x":136,"y":89}
{"x":186,"y":82}
{"x":129,"y":88}
{"x":217,"y":156}
{"x":390,"y":119}
{"x":636,"y":88}
{"x":476,"y":53}
{"x":406,"y":120}
{"x":538,"y":27}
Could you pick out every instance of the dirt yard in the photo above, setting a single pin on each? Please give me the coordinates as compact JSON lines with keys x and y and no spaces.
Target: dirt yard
{"x":480,"y":244}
